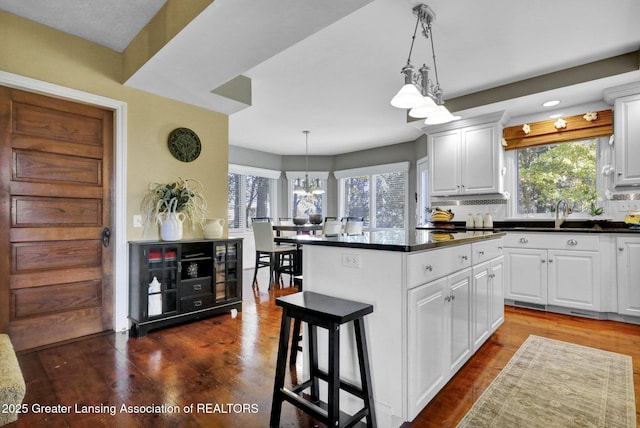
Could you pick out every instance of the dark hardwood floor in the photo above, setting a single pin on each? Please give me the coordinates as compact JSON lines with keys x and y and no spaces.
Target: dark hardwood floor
{"x":225,"y":367}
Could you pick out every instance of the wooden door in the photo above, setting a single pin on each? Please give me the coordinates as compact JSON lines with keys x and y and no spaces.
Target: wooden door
{"x":55,"y":184}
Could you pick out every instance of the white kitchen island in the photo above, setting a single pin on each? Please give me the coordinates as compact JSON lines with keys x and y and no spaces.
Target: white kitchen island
{"x":437,"y":297}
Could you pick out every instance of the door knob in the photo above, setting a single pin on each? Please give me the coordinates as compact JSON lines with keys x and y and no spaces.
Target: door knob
{"x":106,"y":236}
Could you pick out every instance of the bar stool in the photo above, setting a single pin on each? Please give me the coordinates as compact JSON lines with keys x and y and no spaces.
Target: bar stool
{"x":319,"y":310}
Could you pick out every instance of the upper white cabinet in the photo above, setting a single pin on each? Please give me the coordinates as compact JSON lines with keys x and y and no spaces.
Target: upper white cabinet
{"x":466,"y":160}
{"x":627,"y":140}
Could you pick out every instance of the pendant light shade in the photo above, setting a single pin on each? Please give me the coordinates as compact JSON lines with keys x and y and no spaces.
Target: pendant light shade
{"x":419,"y":93}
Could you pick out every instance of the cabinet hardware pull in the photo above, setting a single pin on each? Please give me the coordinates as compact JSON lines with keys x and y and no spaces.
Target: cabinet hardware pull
{"x":572,"y":242}
{"x":619,"y":172}
{"x":463,"y":257}
{"x":447,"y":298}
{"x":499,"y":248}
{"x":197,"y":303}
{"x":428,"y":267}
{"x":620,"y":249}
{"x":197,"y":287}
{"x":550,"y":260}
{"x":453,"y":297}
{"x":523,"y":240}
{"x":543,"y":261}
{"x":481,"y":253}
{"x":179,"y":266}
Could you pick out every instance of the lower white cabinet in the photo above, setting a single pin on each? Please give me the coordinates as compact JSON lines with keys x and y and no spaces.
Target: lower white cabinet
{"x":567,"y":274}
{"x":488,"y":300}
{"x":628,"y":267}
{"x":439,"y":335}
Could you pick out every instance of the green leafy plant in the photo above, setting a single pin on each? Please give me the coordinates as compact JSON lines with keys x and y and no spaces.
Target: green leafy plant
{"x":182,"y":196}
{"x":595,"y":209}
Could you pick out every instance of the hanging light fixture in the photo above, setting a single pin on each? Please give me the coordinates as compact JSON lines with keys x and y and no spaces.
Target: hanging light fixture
{"x":419,"y":93}
{"x":307,"y":188}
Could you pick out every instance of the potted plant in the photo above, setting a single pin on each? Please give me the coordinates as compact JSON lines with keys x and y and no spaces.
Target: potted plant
{"x":169,"y":204}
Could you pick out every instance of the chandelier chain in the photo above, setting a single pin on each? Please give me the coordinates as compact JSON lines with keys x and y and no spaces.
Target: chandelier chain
{"x":413,"y":39}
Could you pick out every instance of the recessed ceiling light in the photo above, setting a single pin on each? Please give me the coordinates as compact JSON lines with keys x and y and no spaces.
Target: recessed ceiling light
{"x":555,"y":116}
{"x":551,"y":103}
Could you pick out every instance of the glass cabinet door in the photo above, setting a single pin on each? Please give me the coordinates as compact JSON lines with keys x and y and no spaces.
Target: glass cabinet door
{"x":227,"y":271}
{"x":162,"y":279}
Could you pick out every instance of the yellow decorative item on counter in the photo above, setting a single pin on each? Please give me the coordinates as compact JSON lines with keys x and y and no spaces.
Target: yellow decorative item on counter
{"x":632,"y":218}
{"x":439,"y":215}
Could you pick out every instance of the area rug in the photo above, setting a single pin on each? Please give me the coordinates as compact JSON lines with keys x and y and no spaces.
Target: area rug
{"x":549,"y":383}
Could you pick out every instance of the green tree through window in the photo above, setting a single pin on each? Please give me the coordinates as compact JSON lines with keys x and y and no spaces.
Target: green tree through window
{"x":549,"y":173}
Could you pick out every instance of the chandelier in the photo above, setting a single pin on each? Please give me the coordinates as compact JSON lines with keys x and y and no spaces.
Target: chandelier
{"x":307,"y":188}
{"x":419,"y":93}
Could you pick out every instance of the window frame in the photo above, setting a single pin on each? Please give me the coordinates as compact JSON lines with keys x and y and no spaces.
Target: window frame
{"x":603,"y":151}
{"x":371,"y":171}
{"x":244,"y":171}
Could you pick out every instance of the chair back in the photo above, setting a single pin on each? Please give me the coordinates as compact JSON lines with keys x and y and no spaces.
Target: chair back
{"x":287,"y":222}
{"x":263,"y":236}
{"x":332,"y":228}
{"x":353,"y":227}
{"x":260,"y":219}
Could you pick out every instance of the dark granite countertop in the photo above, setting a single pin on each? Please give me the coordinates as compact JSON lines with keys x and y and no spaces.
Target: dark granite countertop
{"x":570,"y":226}
{"x":406,"y":241}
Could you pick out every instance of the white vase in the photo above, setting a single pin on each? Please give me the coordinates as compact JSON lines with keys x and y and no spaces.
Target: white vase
{"x":213,"y":228}
{"x":171,"y":225}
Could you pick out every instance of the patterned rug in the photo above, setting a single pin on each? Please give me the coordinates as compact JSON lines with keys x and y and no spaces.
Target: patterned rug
{"x":549,"y":383}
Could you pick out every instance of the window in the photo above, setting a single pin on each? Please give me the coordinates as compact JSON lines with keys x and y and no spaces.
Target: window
{"x":304,"y":205}
{"x":379,"y":194}
{"x":549,"y":173}
{"x":251,"y":194}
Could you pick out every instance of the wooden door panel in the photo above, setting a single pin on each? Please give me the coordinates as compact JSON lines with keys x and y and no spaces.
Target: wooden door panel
{"x":42,"y":278}
{"x":42,"y":330}
{"x":29,"y":119}
{"x":29,"y":211}
{"x":32,"y":256}
{"x":55,"y":187}
{"x":55,"y":298}
{"x":57,"y":190}
{"x":49,"y":145}
{"x":40,"y":166}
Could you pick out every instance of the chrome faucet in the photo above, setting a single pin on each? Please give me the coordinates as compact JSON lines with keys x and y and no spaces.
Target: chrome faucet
{"x":565,"y":212}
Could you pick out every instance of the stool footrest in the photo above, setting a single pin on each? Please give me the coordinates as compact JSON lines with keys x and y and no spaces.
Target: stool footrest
{"x":319,"y":411}
{"x":347,"y":386}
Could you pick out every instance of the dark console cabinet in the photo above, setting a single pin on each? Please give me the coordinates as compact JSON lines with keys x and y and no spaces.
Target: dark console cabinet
{"x":174,"y":282}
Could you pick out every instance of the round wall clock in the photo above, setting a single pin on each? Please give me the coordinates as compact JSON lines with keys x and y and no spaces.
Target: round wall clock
{"x":184,"y":144}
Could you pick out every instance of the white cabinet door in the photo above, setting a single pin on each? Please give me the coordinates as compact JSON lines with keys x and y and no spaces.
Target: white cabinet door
{"x":479,"y":155}
{"x":427,"y":342}
{"x":627,"y":142}
{"x":459,"y":319}
{"x":526,"y":275}
{"x":444,"y":153}
{"x":574,"y":279}
{"x":482,"y":300}
{"x":496,"y":314}
{"x":628,"y":264}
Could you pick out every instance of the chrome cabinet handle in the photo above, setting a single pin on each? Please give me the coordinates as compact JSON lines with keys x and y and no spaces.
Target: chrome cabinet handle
{"x":524,"y":240}
{"x":572,"y":242}
{"x":428,"y":268}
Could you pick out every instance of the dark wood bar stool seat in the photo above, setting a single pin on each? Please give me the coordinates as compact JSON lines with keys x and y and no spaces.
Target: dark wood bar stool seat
{"x":319,"y":310}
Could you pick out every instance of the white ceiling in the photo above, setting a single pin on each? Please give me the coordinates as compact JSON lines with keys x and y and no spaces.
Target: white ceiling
{"x":332,"y":67}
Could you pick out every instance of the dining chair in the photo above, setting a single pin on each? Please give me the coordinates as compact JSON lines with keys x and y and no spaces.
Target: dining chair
{"x":270,"y":254}
{"x":286,"y":221}
{"x":353,"y":225}
{"x":332,"y":228}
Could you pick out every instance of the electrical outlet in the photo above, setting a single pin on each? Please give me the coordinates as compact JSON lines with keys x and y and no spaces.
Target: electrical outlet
{"x":351,"y":260}
{"x":623,"y":207}
{"x":137,"y":220}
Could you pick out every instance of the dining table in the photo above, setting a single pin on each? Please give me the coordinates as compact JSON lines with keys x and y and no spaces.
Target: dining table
{"x":299,"y":229}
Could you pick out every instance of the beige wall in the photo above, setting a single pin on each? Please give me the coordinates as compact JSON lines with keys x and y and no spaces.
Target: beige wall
{"x":39,"y":52}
